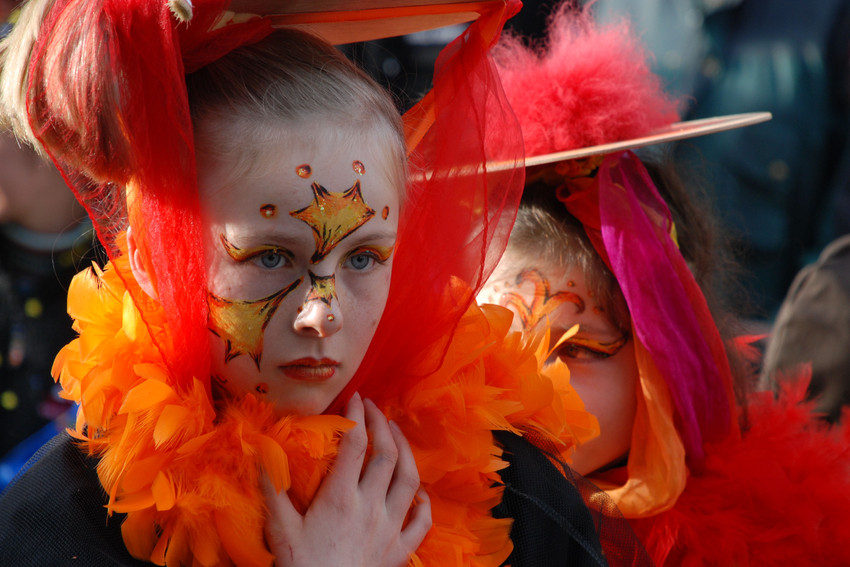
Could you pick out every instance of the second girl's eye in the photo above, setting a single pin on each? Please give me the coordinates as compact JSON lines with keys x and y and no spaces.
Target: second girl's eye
{"x":579,"y":348}
{"x":578,"y":352}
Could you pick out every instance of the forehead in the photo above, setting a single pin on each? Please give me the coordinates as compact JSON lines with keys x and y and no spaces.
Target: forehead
{"x":548,"y":291}
{"x":283,"y":168}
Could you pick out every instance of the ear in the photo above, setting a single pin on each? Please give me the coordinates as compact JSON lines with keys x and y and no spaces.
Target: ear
{"x":137,"y":266}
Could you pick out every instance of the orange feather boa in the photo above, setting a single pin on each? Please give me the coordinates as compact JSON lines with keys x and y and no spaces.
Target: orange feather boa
{"x":187,"y":474}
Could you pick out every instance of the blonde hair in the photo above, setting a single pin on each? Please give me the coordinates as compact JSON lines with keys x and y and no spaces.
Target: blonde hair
{"x":285,"y":77}
{"x":547,"y":234}
{"x":290,"y":79}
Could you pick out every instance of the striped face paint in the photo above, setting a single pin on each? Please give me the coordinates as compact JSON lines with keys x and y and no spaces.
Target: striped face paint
{"x":541,"y":303}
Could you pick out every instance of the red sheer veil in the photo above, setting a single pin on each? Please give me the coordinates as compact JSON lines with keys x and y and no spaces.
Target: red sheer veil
{"x":125,"y":145}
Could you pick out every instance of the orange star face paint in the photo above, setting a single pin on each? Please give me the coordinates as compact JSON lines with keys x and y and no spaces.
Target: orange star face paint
{"x":321,"y":289}
{"x":333,"y":216}
{"x":241,"y":324}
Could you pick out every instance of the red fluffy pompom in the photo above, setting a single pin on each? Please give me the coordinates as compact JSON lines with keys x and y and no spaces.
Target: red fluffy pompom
{"x":588,"y":84}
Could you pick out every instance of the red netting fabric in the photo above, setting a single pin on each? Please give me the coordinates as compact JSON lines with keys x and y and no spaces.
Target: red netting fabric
{"x":459,"y":212}
{"x":456,"y":221}
{"x":145,"y":142}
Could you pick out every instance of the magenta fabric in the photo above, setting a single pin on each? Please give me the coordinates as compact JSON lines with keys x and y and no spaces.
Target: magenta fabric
{"x":630,"y":226}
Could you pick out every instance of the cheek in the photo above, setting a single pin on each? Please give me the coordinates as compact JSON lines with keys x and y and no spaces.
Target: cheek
{"x":608,"y":390}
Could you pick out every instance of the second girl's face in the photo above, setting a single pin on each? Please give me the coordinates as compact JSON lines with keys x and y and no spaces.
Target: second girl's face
{"x":601,"y":359}
{"x":299,"y":254}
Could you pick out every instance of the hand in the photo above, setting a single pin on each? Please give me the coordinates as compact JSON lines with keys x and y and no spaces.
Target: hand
{"x":357,"y":516}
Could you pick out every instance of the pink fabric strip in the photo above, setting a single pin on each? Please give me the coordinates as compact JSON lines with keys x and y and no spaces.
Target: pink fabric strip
{"x":629,"y":224}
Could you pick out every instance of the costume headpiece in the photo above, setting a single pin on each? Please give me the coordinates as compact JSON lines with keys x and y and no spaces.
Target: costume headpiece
{"x":589,"y":93}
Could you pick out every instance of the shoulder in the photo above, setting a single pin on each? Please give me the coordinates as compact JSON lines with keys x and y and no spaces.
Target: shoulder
{"x":557,"y":514}
{"x":59,"y":500}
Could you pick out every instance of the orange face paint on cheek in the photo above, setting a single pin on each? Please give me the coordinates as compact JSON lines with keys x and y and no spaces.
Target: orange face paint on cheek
{"x":241,"y":324}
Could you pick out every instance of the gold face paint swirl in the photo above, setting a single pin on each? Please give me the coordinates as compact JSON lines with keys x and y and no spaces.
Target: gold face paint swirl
{"x":333,"y":216}
{"x":243,"y":254}
{"x":542,"y":303}
{"x":241,"y":323}
{"x":573,"y":346}
{"x":322,"y":289}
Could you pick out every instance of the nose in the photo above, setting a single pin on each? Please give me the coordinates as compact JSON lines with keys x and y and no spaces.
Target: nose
{"x":318,"y":318}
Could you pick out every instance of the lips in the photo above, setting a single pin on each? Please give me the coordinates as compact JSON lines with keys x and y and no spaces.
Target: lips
{"x":310,"y":369}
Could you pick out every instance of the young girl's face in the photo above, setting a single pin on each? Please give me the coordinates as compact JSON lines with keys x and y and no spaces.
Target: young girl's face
{"x":298,"y":253}
{"x":601,"y":359}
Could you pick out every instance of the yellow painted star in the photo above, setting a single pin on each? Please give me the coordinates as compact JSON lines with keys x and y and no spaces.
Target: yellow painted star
{"x":241,"y":323}
{"x":333,"y":216}
{"x":322,"y":288}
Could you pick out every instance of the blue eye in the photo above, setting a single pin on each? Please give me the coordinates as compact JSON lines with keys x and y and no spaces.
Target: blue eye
{"x":271,"y":259}
{"x":361,"y":261}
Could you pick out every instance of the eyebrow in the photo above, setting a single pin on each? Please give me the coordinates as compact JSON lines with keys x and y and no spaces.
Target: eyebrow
{"x":358,"y":237}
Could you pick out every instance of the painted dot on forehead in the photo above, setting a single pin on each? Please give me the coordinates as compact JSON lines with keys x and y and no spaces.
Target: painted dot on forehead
{"x":268,"y":211}
{"x":571,"y":283}
{"x":304,"y":171}
{"x":385,"y":213}
{"x":358,"y":167}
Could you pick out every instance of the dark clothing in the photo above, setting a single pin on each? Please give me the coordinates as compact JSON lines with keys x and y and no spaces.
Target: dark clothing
{"x":559,"y":517}
{"x":813,"y":326}
{"x":34,"y":326}
{"x":53,"y":513}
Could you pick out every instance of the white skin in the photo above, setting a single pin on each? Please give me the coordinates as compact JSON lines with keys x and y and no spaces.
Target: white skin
{"x":311,"y":349}
{"x":606,"y":382}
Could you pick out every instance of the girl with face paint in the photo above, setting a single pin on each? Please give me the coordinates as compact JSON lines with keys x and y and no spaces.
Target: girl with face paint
{"x":606,"y":253}
{"x":283,"y":362}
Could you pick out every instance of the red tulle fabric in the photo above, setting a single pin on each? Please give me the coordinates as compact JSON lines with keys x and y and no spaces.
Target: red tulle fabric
{"x":141,"y":42}
{"x":458,"y":215}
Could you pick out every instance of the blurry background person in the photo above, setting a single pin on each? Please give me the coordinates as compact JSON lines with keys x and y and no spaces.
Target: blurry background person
{"x":812,"y":329}
{"x":781,"y":187}
{"x":44,"y":239}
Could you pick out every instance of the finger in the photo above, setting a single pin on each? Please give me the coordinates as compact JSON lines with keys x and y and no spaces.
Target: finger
{"x":283,"y":518}
{"x":348,"y":465}
{"x":419,"y":523}
{"x":405,"y":481}
{"x":380,"y":468}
